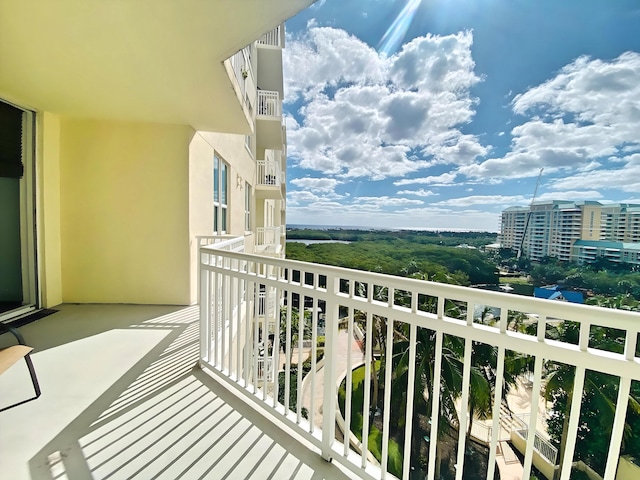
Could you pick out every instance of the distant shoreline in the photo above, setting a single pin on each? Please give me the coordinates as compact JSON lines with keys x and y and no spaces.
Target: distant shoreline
{"x":294,"y":226}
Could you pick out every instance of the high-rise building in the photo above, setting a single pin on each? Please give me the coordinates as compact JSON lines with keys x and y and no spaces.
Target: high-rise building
{"x":570,"y":231}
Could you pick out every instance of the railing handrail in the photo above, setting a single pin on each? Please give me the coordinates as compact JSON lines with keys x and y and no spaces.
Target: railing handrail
{"x":221,"y":242}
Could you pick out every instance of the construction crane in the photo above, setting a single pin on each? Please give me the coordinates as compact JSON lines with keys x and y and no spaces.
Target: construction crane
{"x":526,"y":223}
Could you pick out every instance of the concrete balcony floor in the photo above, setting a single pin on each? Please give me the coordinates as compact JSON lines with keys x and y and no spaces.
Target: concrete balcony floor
{"x":121,"y":399}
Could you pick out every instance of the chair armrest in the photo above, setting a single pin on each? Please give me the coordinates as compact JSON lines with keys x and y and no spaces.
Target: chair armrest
{"x":4,"y":328}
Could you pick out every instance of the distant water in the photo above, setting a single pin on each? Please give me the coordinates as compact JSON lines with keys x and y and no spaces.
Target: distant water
{"x":335,"y":227}
{"x":309,"y":242}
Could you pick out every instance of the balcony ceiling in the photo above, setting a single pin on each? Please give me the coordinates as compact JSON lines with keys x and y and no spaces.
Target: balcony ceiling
{"x":132,"y":60}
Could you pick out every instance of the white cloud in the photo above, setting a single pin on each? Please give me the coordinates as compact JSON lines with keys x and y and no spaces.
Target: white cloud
{"x":443,"y":179}
{"x":589,"y":111}
{"x":376,"y":203}
{"x":429,"y":218}
{"x":419,"y":193}
{"x":496,"y":200}
{"x":576,"y":195}
{"x":626,"y":178}
{"x":368,"y":115}
{"x":316,"y":184}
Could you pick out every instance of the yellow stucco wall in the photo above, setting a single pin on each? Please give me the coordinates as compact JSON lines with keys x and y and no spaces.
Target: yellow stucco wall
{"x":124,"y":212}
{"x":48,"y":208}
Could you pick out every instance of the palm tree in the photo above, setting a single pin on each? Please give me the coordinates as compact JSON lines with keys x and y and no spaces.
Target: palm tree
{"x":378,"y":340}
{"x":295,"y":329}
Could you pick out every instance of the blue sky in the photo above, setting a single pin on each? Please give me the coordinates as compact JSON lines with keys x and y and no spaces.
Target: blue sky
{"x":448,"y":118}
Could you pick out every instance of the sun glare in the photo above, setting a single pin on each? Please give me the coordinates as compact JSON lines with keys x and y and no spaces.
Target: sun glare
{"x":396,"y":32}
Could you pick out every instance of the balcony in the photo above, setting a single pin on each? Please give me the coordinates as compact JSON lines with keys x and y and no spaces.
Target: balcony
{"x":122,"y":399}
{"x":274,"y":38}
{"x":269,"y":120}
{"x":269,"y":177}
{"x":268,"y":241}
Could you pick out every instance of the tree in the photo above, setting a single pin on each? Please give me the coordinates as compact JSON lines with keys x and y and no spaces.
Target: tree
{"x":598,"y":400}
{"x":295,"y":329}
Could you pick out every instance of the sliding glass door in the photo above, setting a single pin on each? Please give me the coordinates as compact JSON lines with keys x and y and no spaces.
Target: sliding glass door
{"x":17,"y":233}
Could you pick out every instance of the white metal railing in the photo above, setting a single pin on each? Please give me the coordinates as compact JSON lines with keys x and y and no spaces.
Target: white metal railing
{"x":266,"y":369}
{"x":271,"y":38}
{"x":268,"y":173}
{"x":418,"y":313}
{"x":222,"y":242}
{"x":542,"y":445}
{"x":242,"y":69}
{"x":269,"y":103}
{"x":267,"y":238}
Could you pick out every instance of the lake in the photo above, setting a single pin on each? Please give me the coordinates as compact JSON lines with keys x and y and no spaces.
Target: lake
{"x":309,"y":242}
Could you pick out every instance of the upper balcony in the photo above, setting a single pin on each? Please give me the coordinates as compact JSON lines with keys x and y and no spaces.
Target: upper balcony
{"x":270,"y":176}
{"x":268,"y":241}
{"x":269,"y":134}
{"x":243,"y":79}
{"x":274,"y":38}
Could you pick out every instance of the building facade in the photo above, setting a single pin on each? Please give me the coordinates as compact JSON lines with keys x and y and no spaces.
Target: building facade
{"x":572,"y":231}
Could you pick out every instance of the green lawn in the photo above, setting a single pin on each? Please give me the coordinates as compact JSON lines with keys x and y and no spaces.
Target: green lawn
{"x":375,"y":435}
{"x":516,"y":280}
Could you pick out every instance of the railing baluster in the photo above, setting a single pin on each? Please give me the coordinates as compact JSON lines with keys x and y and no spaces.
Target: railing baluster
{"x":533,"y":419}
{"x":249,"y":306}
{"x":301,"y":322}
{"x":314,"y":343}
{"x":329,"y":397}
{"x":275,"y":351}
{"x":406,"y":465}
{"x":205,"y":312}
{"x":497,"y":401}
{"x":349,"y":379}
{"x":234,"y":314}
{"x":574,"y":418}
{"x":215,"y":318}
{"x":388,"y":370}
{"x":289,"y":350}
{"x":435,"y":404}
{"x":239,"y":321}
{"x":366,"y":414}
{"x":618,"y":428}
{"x":256,"y":330}
{"x":464,"y":405}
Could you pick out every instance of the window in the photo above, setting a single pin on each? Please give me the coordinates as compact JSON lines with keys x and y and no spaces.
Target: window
{"x":247,"y":206}
{"x":220,"y":195}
